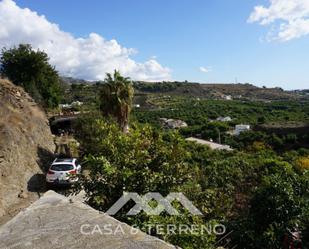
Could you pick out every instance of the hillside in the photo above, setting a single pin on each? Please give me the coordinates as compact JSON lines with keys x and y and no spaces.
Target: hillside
{"x":25,"y":144}
{"x":190,"y":89}
{"x":218,"y":91}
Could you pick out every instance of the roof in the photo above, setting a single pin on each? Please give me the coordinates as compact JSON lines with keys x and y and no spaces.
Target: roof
{"x":67,"y":160}
{"x":212,"y":145}
{"x":173,"y":123}
{"x":54,"y":221}
{"x":63,"y":161}
{"x":226,"y":119}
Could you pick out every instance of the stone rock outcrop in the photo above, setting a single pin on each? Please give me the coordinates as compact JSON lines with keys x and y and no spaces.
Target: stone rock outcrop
{"x":56,"y":221}
{"x":25,"y":145}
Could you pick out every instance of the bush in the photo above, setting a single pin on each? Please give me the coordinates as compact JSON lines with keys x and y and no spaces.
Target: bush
{"x":257,"y":194}
{"x":278,"y":204}
{"x":141,"y":161}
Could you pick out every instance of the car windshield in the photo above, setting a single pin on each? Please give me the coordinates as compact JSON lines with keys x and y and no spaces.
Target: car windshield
{"x":62,"y":167}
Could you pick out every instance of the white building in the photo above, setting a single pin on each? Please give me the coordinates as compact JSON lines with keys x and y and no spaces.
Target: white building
{"x":77,"y":103}
{"x":224,"y":119}
{"x":73,"y":104}
{"x":241,"y":128}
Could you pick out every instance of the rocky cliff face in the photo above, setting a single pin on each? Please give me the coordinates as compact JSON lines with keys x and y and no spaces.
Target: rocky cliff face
{"x":25,"y":144}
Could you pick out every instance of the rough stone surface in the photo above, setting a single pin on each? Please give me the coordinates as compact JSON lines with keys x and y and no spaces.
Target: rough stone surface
{"x":26,"y":144}
{"x":54,"y":221}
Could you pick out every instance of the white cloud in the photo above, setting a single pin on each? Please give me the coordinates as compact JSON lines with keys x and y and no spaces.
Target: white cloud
{"x":290,"y":18}
{"x":205,"y":69}
{"x":85,"y":57}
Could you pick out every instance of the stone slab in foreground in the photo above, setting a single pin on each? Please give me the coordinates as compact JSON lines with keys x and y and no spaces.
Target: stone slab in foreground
{"x":56,"y":222}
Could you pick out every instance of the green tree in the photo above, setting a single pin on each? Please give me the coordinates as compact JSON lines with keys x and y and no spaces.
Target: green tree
{"x":279,"y":203}
{"x":261,"y":120}
{"x":141,"y":161}
{"x":30,"y":69}
{"x":116,"y":98}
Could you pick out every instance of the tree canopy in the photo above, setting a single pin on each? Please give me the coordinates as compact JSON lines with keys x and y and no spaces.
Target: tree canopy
{"x":116,"y":98}
{"x":31,"y":69}
{"x":258,"y":195}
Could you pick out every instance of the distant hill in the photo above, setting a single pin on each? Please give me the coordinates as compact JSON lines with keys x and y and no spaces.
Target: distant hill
{"x":219,"y":91}
{"x":70,"y":80}
{"x":240,"y":91}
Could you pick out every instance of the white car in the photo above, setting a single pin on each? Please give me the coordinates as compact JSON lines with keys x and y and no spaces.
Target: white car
{"x":63,"y":171}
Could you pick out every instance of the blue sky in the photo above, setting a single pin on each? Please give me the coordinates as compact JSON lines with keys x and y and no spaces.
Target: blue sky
{"x":184,"y":35}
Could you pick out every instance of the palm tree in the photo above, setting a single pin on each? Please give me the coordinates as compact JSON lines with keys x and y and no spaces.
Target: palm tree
{"x":116,"y":98}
